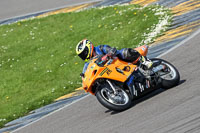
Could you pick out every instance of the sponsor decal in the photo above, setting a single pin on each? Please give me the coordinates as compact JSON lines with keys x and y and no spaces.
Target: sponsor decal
{"x":127,"y":68}
{"x":120,"y":71}
{"x":143,"y":49}
{"x":106,"y":70}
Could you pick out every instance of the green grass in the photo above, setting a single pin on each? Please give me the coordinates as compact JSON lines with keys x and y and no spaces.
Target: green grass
{"x":38,"y":62}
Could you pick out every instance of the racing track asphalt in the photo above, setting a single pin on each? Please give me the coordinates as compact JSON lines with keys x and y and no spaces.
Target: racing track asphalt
{"x":15,"y":8}
{"x":176,"y":110}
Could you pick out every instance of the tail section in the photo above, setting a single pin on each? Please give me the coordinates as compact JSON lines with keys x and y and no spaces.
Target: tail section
{"x":143,"y":50}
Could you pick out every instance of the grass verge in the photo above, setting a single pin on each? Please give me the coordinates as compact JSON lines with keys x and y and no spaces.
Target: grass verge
{"x":38,"y":62}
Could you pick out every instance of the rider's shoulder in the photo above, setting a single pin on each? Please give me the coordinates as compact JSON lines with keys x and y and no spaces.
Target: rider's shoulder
{"x":103,"y":45}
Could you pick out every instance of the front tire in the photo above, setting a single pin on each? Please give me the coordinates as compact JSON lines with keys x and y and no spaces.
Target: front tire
{"x":116,"y":102}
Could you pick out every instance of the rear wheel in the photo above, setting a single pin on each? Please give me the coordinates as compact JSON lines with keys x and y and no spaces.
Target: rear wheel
{"x":117,"y":102}
{"x":170,"y":75}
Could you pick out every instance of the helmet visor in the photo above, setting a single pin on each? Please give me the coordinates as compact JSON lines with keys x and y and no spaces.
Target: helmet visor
{"x":83,"y":55}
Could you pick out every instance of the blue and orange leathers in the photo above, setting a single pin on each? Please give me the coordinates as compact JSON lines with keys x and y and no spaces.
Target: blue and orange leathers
{"x":104,"y":49}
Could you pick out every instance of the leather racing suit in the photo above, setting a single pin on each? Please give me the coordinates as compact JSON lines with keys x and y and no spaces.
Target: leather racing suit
{"x":125,"y":54}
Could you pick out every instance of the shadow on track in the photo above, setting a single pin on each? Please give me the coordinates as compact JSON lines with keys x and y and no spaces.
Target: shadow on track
{"x":145,"y":97}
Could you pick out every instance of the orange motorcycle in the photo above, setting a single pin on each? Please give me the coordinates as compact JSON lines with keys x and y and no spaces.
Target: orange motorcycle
{"x":116,"y":83}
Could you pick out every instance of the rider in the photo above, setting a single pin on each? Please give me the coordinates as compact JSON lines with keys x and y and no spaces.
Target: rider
{"x":86,"y":50}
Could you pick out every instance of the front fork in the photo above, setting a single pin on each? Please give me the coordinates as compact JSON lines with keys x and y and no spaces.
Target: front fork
{"x":112,"y":87}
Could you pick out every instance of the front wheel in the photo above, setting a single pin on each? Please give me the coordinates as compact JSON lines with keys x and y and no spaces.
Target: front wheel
{"x":170,"y":75}
{"x":117,"y":102}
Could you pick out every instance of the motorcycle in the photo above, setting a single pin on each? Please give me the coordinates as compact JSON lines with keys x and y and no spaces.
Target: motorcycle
{"x":117,"y":83}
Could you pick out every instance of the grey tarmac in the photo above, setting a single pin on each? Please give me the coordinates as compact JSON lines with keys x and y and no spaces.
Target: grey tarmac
{"x":16,"y":8}
{"x":176,"y":110}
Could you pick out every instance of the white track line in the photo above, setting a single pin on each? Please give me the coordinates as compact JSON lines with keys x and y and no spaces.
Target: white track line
{"x":181,"y":43}
{"x":51,"y":113}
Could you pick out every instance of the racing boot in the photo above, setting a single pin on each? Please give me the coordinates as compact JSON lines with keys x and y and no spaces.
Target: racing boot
{"x":146,"y":62}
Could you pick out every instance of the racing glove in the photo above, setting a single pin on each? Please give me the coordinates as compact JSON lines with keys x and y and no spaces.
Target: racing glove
{"x":112,"y":52}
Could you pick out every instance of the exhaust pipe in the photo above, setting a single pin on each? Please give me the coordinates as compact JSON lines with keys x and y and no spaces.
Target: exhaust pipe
{"x":158,"y":68}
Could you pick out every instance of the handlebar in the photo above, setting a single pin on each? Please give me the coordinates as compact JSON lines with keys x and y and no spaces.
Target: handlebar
{"x":102,"y":60}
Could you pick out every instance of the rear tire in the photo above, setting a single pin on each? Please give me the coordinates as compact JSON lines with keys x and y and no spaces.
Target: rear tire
{"x":107,"y":99}
{"x":174,"y":76}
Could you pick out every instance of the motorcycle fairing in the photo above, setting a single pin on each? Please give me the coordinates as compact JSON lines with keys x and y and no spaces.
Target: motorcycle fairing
{"x":117,"y":70}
